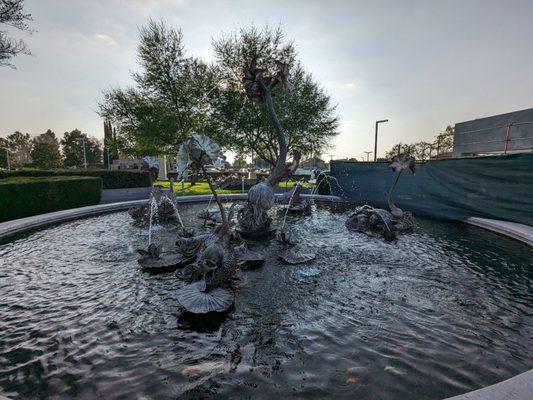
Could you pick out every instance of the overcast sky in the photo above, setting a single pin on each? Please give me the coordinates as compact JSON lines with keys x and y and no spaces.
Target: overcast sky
{"x":421,"y":64}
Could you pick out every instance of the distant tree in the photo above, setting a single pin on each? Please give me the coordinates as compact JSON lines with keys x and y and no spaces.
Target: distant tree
{"x":19,"y":146}
{"x":399,"y":148}
{"x":444,"y":141}
{"x":45,"y":153}
{"x":169,"y":100}
{"x":13,"y":15}
{"x":72,"y":145}
{"x":306,"y":114}
{"x":111,"y":144}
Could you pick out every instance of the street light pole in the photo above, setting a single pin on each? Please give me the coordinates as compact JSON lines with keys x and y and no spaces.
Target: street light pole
{"x":376,"y":138}
{"x":84,"y":154}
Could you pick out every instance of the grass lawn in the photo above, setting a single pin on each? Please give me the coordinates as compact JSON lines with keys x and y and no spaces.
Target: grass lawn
{"x":202,"y":187}
{"x":305,"y":185}
{"x":188,"y":190}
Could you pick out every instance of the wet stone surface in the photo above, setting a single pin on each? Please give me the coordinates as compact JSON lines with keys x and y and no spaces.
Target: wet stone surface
{"x":441,"y":311}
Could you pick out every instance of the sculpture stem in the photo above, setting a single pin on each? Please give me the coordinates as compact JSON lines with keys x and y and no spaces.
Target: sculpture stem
{"x":215,"y":195}
{"x":389,"y":193}
{"x":278,"y":171}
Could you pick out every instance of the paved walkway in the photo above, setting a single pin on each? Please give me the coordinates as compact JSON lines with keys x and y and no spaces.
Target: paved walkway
{"x":521,"y":232}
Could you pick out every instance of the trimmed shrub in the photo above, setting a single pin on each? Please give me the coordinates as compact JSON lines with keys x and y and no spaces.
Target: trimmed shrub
{"x":22,"y":197}
{"x":111,"y":179}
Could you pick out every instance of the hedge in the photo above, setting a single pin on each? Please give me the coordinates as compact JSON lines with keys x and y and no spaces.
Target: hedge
{"x":22,"y":197}
{"x":112,"y":179}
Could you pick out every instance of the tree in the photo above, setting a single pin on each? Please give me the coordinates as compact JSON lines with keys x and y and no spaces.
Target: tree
{"x":240,"y":161}
{"x":45,"y":153}
{"x":12,"y":14}
{"x":400,"y":148}
{"x":19,"y":146}
{"x":111,"y":144}
{"x":443,"y":143}
{"x":306,"y":113}
{"x":169,"y":100}
{"x":73,"y":143}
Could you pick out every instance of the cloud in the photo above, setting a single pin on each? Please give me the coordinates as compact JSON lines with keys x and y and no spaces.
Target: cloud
{"x":104,"y":39}
{"x":349,"y":85}
{"x":148,"y":6}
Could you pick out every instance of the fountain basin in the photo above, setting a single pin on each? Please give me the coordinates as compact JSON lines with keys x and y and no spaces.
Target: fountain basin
{"x":437,"y":313}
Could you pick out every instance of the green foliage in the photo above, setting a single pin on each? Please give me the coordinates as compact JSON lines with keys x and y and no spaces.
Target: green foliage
{"x":240,"y":161}
{"x":73,"y":143}
{"x":306,"y":114}
{"x":190,"y":189}
{"x":12,"y":15}
{"x":169,"y":100}
{"x":443,"y":143}
{"x":22,"y":196}
{"x":113,"y":179}
{"x":19,"y":146}
{"x":45,"y":152}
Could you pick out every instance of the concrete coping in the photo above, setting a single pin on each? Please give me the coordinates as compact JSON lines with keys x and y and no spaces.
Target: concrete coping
{"x":519,"y":387}
{"x":521,"y":232}
{"x":17,"y":226}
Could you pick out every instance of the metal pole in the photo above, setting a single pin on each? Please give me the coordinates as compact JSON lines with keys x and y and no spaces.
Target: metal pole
{"x":108,"y":163}
{"x":376,"y":138}
{"x":507,"y":135}
{"x":84,"y":154}
{"x":367,"y":155}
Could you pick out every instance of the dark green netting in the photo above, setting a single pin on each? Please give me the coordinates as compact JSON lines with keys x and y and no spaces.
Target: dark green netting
{"x":498,"y":187}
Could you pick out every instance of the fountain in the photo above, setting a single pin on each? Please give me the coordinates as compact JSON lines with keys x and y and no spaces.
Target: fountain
{"x":367,"y":319}
{"x":380,"y":222}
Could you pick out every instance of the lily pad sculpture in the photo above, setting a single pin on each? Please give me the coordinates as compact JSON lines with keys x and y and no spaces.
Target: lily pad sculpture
{"x":252,"y":218}
{"x":152,"y":261}
{"x":209,"y":216}
{"x":195,"y":299}
{"x":297,"y":255}
{"x":248,"y":258}
{"x":165,"y":211}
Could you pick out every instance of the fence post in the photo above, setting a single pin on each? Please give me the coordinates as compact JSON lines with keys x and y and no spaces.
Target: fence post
{"x":507,"y":135}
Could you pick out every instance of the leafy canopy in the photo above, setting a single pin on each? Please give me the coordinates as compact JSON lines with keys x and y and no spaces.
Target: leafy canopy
{"x":306,"y":114}
{"x":168,"y":102}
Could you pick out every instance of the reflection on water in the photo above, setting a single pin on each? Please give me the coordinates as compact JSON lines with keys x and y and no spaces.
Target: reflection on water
{"x":436,"y":313}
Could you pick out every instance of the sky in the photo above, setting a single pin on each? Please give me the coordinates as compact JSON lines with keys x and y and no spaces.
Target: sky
{"x":421,"y":64}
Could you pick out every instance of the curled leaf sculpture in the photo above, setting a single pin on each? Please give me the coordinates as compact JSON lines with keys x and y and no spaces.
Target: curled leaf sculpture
{"x":399,"y":163}
{"x":376,"y":221}
{"x":253,"y":219}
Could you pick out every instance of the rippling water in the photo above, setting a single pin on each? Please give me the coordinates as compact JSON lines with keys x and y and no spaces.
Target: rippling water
{"x":442,"y":311}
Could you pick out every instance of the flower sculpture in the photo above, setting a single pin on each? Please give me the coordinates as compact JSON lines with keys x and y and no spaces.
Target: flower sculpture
{"x":253,"y":218}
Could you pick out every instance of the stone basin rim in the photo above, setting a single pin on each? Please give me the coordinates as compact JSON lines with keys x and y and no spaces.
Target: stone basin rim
{"x":35,"y":222}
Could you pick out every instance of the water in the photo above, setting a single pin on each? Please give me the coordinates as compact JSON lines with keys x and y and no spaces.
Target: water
{"x":289,"y":204}
{"x":442,"y":311}
{"x":153,"y":214}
